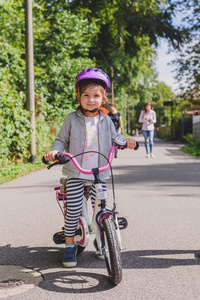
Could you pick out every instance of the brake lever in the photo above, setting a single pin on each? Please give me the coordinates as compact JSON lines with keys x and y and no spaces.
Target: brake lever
{"x":137,"y":146}
{"x":44,"y":161}
{"x":52,"y":165}
{"x":61,"y":160}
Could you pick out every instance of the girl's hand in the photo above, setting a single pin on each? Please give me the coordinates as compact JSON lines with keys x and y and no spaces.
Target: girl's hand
{"x":131,"y":143}
{"x":50,"y":156}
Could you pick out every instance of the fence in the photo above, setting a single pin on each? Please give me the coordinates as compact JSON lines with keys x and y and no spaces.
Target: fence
{"x":196,"y":127}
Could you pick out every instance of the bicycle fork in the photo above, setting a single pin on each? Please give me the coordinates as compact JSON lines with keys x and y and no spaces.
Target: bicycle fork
{"x":101,"y":213}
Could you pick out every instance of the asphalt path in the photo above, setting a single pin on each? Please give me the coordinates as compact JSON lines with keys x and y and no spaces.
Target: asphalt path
{"x":160,"y":198}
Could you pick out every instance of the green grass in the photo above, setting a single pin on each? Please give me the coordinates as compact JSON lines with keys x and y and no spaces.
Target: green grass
{"x":13,"y":171}
{"x":192,"y":149}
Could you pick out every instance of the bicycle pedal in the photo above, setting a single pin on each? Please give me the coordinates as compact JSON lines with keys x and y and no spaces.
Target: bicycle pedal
{"x":59,"y":237}
{"x":122,"y":222}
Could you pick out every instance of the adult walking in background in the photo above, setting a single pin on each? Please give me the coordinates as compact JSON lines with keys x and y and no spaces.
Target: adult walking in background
{"x":115,"y":116}
{"x":148,"y":119}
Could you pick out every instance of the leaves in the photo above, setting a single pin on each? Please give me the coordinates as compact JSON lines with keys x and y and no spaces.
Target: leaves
{"x":61,"y":50}
{"x":15,"y":127}
{"x":62,"y":42}
{"x":71,"y":36}
{"x":188,"y":57}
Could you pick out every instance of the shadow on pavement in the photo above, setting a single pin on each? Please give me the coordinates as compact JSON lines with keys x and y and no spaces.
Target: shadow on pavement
{"x":48,"y":260}
{"x":177,"y":173}
{"x":147,"y":259}
{"x":75,"y":282}
{"x":51,"y":257}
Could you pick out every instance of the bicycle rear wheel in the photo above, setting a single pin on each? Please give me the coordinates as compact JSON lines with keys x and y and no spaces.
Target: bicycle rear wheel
{"x":111,"y":251}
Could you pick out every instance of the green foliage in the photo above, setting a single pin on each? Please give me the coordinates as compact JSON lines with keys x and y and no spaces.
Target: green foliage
{"x":187,"y":60}
{"x":14,"y":127}
{"x":192,"y":147}
{"x":122,"y":22}
{"x":62,"y":41}
{"x":189,"y":139}
{"x":14,"y":119}
{"x":48,"y":124}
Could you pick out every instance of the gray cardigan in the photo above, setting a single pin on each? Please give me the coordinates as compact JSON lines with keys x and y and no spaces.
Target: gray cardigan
{"x":72,"y":136}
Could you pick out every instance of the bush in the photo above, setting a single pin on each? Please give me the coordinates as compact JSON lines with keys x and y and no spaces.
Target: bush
{"x":48,"y":123}
{"x":14,"y":128}
{"x":189,"y":139}
{"x":192,"y":147}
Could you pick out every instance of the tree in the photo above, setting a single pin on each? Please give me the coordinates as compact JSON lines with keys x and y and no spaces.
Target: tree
{"x":188,"y":57}
{"x":62,"y":42}
{"x":128,"y":31}
{"x":122,"y":22}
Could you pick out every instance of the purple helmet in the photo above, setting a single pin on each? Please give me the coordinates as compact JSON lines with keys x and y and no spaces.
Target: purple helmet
{"x":93,"y":73}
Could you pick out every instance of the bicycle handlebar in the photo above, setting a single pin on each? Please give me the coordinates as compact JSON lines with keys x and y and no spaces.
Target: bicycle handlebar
{"x":66,"y":157}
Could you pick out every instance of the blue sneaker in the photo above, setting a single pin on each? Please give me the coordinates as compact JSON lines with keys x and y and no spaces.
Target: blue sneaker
{"x":69,"y":258}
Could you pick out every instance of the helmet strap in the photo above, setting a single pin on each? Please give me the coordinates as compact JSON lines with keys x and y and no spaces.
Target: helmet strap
{"x":91,"y":111}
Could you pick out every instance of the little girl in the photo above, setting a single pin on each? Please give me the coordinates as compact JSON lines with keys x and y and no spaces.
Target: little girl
{"x":86,"y":129}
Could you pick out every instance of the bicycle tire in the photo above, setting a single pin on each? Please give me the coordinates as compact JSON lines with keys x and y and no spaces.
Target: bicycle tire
{"x":111,"y":251}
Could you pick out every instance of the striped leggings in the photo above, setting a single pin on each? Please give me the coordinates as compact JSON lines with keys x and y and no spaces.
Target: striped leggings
{"x":75,"y":193}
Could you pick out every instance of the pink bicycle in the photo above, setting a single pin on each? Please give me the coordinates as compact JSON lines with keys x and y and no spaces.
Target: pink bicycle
{"x":104,"y":224}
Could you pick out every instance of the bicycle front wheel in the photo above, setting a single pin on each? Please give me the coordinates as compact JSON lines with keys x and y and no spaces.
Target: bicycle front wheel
{"x":111,"y":251}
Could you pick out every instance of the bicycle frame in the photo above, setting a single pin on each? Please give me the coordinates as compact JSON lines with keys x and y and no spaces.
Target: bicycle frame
{"x":100,"y":211}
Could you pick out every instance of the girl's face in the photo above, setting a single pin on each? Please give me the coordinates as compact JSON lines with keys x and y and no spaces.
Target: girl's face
{"x":148,"y":107}
{"x":91,"y":98}
{"x":112,"y":109}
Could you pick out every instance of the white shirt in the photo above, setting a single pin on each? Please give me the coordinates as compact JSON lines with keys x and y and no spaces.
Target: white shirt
{"x":147,"y":125}
{"x":90,"y":160}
